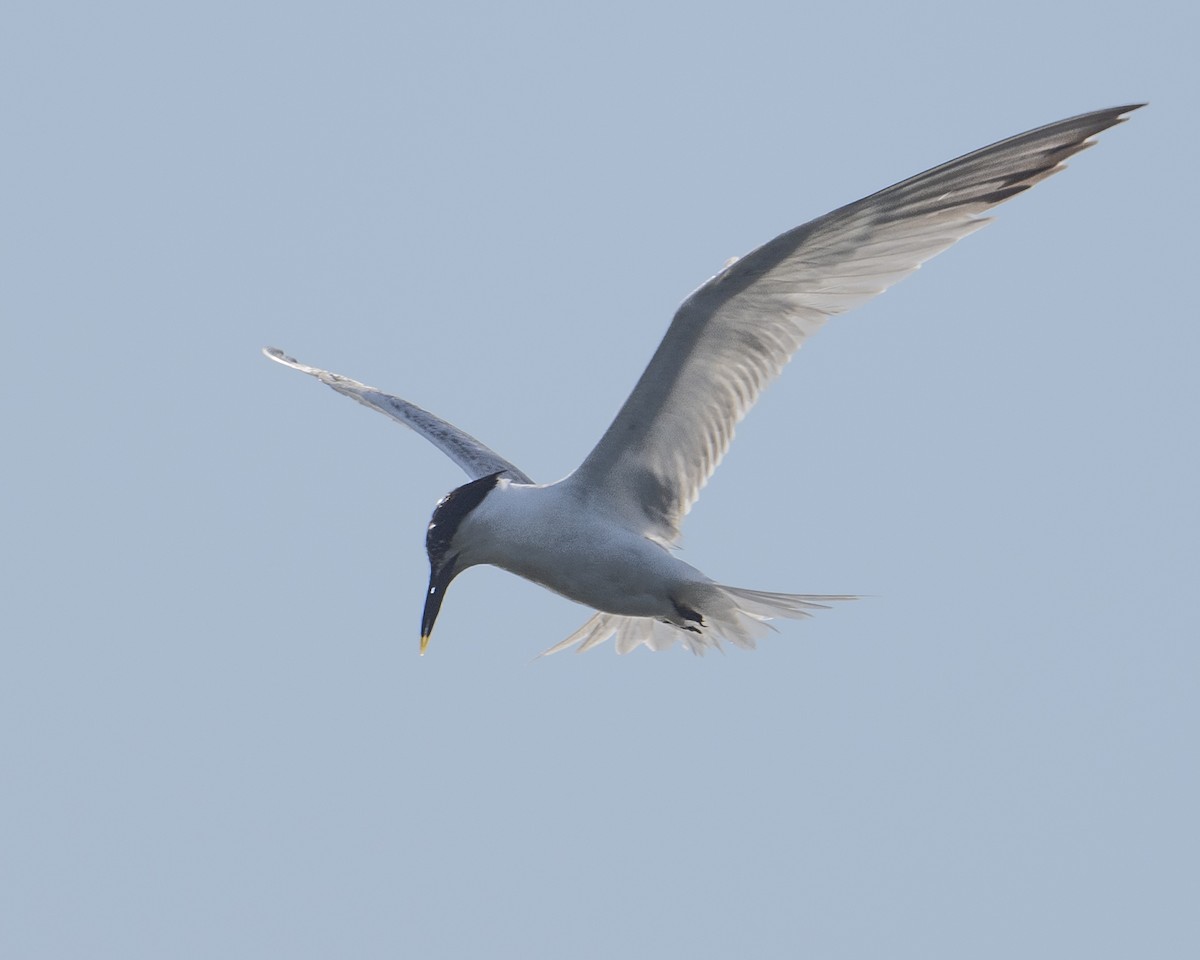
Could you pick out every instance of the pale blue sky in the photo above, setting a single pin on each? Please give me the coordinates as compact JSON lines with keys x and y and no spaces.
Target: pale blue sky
{"x":216,"y":735}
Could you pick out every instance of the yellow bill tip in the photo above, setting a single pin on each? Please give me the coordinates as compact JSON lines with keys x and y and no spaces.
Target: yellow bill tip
{"x":424,"y":643}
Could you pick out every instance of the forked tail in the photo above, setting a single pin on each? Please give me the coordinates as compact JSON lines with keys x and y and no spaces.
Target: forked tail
{"x":732,"y":613}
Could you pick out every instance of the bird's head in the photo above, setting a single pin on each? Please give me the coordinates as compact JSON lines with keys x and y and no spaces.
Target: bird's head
{"x":442,"y":546}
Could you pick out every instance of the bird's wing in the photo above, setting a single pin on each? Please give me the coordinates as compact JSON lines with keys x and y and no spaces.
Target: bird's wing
{"x":736,"y":332}
{"x":475,"y":458}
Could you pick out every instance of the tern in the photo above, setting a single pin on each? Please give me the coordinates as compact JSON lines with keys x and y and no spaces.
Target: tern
{"x":604,"y":535}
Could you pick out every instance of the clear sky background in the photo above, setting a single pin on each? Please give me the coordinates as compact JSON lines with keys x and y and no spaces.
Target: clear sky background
{"x":216,"y":735}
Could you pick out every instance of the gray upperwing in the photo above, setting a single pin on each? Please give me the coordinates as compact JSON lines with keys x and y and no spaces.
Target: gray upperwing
{"x":734,"y":334}
{"x":476,"y":459}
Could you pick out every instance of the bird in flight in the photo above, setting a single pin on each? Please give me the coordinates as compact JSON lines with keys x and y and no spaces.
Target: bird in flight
{"x":603,"y":536}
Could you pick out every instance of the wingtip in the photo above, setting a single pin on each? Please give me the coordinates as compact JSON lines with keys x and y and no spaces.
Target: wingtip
{"x":1122,"y":112}
{"x":274,"y":353}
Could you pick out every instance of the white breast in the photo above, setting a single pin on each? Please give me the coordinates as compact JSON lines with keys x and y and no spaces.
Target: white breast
{"x":547,"y":535}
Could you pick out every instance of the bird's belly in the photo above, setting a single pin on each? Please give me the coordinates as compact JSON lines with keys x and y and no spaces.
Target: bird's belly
{"x":632,"y":579}
{"x":546,"y":535}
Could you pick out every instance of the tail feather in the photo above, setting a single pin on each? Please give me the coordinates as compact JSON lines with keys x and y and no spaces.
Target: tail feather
{"x":734,"y":614}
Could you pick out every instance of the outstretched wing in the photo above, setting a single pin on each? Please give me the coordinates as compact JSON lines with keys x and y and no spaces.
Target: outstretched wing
{"x":735,"y":333}
{"x":475,"y":458}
